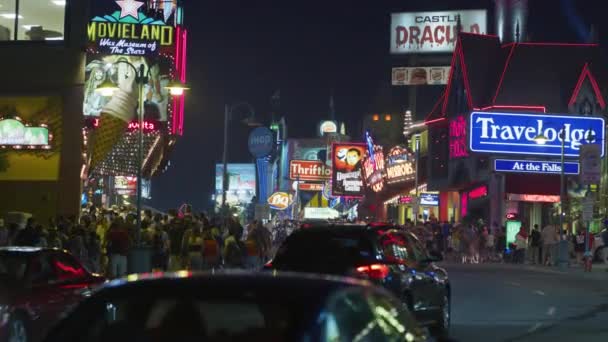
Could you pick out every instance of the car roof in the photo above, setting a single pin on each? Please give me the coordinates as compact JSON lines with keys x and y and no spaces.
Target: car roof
{"x":21,"y":249}
{"x":27,"y":249}
{"x":342,"y":228}
{"x":271,"y":282}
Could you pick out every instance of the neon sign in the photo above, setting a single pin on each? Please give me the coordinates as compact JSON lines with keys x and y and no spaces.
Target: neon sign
{"x":515,"y":133}
{"x":149,"y":125}
{"x":129,"y":31}
{"x":478,"y":192}
{"x":535,"y":166}
{"x":458,"y":138}
{"x":533,"y":198}
{"x":373,"y":165}
{"x":17,"y":135}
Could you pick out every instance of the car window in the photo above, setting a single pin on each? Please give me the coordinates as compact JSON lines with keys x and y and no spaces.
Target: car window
{"x":417,"y":248}
{"x":187,"y":319}
{"x":40,"y":270}
{"x":323,"y":247}
{"x":355,"y":316}
{"x":12,"y":267}
{"x":348,"y":316}
{"x":395,"y":247}
{"x":396,"y":322}
{"x":67,"y":268}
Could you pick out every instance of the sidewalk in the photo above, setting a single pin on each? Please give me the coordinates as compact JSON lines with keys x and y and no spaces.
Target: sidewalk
{"x":598,"y":271}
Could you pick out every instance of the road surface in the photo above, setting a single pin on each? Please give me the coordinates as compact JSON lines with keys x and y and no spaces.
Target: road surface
{"x":494,"y":302}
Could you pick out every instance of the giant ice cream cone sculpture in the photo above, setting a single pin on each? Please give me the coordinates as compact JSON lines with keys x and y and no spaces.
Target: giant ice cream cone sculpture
{"x":115,"y":116}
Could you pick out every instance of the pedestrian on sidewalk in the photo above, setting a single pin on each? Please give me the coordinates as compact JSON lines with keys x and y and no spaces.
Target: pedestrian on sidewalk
{"x":117,"y":247}
{"x":604,"y":235}
{"x":549,"y":240}
{"x":579,"y":245}
{"x":534,"y":251}
{"x":521,"y":243}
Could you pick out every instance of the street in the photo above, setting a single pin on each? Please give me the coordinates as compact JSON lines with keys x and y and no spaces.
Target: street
{"x":498,"y":302}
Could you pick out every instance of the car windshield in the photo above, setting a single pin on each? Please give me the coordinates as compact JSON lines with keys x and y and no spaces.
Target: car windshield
{"x":12,"y":267}
{"x":316,"y":246}
{"x":238,"y":318}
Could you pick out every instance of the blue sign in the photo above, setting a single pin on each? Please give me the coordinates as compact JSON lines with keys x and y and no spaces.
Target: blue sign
{"x":535,"y":166}
{"x":429,"y":199}
{"x":515,"y":133}
{"x":261,"y":142}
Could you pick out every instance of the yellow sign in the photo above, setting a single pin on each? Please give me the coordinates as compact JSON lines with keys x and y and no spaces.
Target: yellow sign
{"x":130,"y":39}
{"x":280,"y":200}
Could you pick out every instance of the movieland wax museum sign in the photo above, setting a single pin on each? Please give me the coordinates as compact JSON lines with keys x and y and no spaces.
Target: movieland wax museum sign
{"x":515,"y":133}
{"x":432,"y":32}
{"x":129,"y":31}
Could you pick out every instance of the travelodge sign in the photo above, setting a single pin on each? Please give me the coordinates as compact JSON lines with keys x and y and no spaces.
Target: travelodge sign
{"x":515,"y":133}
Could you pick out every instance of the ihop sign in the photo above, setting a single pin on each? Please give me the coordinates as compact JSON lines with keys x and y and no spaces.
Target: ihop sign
{"x":515,"y":133}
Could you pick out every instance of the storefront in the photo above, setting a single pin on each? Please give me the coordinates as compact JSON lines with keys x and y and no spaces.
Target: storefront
{"x":156,"y":43}
{"x":497,"y":143}
{"x":40,"y":100}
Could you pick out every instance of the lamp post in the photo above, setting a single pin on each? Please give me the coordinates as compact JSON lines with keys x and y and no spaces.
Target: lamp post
{"x":562,"y":259}
{"x":417,"y":147}
{"x":107,"y":88}
{"x":250,"y":121}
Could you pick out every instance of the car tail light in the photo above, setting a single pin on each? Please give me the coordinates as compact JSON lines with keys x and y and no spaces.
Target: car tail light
{"x":268,"y":265}
{"x":374,"y":271}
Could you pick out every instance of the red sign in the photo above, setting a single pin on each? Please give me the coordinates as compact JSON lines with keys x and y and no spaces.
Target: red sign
{"x":479,"y":192}
{"x":308,"y":170}
{"x":346,"y":173}
{"x":149,"y":125}
{"x":405,"y":199}
{"x":458,"y":138}
{"x":310,"y":186}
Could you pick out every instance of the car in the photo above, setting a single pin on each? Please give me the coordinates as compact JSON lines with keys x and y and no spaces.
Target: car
{"x":38,"y":286}
{"x":381,"y":253}
{"x":238,"y":306}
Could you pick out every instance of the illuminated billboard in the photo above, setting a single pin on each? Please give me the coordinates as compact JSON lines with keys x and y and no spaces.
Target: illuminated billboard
{"x":347,"y":178}
{"x":431,"y":32}
{"x":241,"y":184}
{"x":142,"y":33}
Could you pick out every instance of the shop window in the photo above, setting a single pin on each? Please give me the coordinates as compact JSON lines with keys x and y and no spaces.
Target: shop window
{"x":37,"y":20}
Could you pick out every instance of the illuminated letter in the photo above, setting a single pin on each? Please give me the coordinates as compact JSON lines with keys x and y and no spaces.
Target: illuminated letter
{"x":145,"y":32}
{"x":156,"y":32}
{"x":484,"y":126}
{"x":401,"y":36}
{"x":91,"y":30}
{"x":167,"y":36}
{"x":427,"y":35}
{"x":439,"y":39}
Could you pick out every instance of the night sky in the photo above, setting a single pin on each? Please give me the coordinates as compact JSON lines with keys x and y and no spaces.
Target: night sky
{"x":246,"y":50}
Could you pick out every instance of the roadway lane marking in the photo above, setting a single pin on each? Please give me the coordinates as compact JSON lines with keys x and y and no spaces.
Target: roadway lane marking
{"x":539,"y":292}
{"x":551,"y":311}
{"x":535,"y":327}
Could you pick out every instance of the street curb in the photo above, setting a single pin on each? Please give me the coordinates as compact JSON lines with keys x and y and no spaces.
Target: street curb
{"x":597,"y":274}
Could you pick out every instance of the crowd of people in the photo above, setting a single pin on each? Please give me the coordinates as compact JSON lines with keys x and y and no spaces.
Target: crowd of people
{"x":478,"y":243}
{"x":103,"y":239}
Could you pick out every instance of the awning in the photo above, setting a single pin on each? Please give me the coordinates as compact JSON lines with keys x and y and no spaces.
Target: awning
{"x":532,"y":184}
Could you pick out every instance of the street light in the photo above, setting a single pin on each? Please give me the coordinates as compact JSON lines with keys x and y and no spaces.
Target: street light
{"x":107,"y":88}
{"x":250,"y":122}
{"x":541,"y":139}
{"x":417,"y":204}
